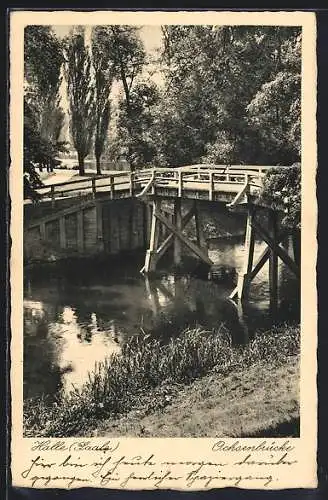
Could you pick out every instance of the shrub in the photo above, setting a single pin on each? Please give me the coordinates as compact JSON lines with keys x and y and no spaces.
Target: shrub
{"x":282,"y":191}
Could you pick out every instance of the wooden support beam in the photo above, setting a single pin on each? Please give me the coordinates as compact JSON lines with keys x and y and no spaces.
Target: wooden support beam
{"x":151,"y":260}
{"x":279,"y":250}
{"x":192,"y":246}
{"x":273,"y":263}
{"x":80,"y":236}
{"x":62,"y":233}
{"x":165,"y":245}
{"x":178,"y":223}
{"x":264,"y":257}
{"x":201,"y":241}
{"x":169,"y":239}
{"x":243,"y":280}
{"x":180,"y":181}
{"x":99,"y":222}
{"x":259,"y":263}
{"x":241,"y":196}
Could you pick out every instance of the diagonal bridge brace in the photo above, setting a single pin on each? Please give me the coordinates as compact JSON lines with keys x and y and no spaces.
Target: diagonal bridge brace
{"x":155,"y":252}
{"x":273,"y":249}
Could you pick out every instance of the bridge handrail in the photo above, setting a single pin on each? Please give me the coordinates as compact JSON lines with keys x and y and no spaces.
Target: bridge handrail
{"x":205,"y":175}
{"x":87,"y":179}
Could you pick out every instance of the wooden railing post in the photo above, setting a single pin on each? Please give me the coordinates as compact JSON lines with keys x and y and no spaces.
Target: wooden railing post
{"x":131,"y":184}
{"x":211,"y":186}
{"x":93,"y":182}
{"x":52,"y":191}
{"x":111,"y":187}
{"x":180,"y":183}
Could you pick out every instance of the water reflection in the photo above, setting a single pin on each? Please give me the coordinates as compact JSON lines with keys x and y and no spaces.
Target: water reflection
{"x":76,"y":316}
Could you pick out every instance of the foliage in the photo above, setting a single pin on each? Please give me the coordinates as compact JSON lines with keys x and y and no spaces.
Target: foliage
{"x":128,"y":57}
{"x":144,"y":365}
{"x":135,"y":123}
{"x":282,"y":191}
{"x":232,"y":95}
{"x":43,"y":116}
{"x":104,"y":72}
{"x":81,"y":94}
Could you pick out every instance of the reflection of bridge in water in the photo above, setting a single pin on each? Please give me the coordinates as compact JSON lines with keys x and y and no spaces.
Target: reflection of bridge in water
{"x":162,"y":295}
{"x":80,"y":212}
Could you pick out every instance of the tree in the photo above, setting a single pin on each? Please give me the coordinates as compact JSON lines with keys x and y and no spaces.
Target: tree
{"x":104,"y":73}
{"x":81,"y":94}
{"x":128,"y":56}
{"x":136,"y":122}
{"x":218,"y":84}
{"x":275,"y":110}
{"x":43,"y":116}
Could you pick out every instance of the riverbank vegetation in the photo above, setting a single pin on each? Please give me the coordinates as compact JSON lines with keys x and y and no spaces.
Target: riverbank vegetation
{"x":149,"y":377}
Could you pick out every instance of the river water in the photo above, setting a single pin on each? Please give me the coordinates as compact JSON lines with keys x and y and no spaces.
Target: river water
{"x":76,"y":314}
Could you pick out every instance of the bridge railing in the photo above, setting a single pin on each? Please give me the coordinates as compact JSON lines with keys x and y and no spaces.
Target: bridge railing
{"x":195,"y":177}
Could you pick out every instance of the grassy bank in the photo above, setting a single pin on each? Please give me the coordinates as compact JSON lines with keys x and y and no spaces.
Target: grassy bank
{"x":148,"y":377}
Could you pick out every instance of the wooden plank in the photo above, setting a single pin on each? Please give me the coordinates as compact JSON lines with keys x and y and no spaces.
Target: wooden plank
{"x":61,"y":213}
{"x":62,"y":232}
{"x":194,"y":248}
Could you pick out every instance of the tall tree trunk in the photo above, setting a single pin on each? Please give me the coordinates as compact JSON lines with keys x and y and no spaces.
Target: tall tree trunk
{"x":81,"y":164}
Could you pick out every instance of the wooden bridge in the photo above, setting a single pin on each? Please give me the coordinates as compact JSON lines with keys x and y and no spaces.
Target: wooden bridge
{"x":233,"y":185}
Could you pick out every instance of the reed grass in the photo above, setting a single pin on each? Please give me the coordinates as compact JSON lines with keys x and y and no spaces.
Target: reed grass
{"x":144,"y":364}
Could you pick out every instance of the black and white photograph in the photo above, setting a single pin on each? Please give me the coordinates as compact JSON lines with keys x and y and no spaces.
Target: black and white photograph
{"x":162,"y":230}
{"x":163,"y":256}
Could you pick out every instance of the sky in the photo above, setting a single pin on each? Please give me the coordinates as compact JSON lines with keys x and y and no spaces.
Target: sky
{"x":150,"y":35}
